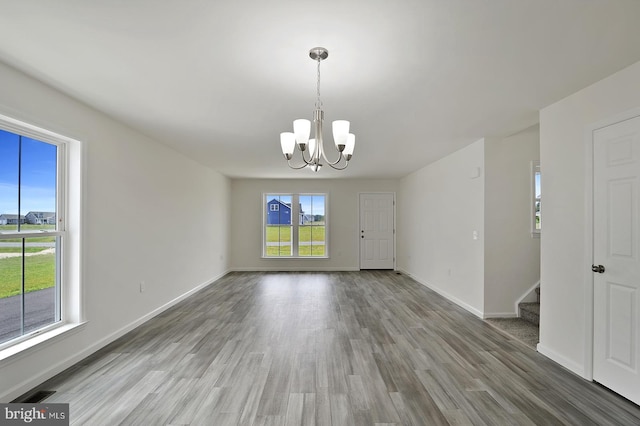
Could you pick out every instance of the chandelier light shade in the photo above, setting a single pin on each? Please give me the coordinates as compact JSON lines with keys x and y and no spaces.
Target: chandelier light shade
{"x":312,"y":150}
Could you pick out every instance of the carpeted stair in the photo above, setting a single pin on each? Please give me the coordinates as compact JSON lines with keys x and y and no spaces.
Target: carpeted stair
{"x":531,"y":311}
{"x":524,"y":328}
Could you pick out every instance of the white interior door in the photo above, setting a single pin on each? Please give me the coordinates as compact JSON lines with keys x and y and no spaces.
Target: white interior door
{"x":616,"y":191}
{"x":377,"y":247}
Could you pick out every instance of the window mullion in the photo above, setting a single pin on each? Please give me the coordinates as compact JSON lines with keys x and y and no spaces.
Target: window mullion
{"x":58,"y":278}
{"x":295,"y":219}
{"x":27,"y":234}
{"x":22,"y":283}
{"x":61,"y":183}
{"x":22,"y":290}
{"x":19,"y":179}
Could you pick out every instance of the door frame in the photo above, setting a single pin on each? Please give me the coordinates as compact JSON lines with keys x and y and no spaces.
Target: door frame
{"x":588,"y":232}
{"x":395,"y":257}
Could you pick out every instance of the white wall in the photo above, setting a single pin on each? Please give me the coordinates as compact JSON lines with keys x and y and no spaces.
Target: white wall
{"x":439,"y":207}
{"x":149,"y":214}
{"x":565,"y":274}
{"x":511,"y":256}
{"x":246,"y":221}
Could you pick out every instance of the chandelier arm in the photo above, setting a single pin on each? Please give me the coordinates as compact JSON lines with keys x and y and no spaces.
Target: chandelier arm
{"x":318,"y":120}
{"x":303,"y":165}
{"x":310,"y":162}
{"x":319,"y":148}
{"x":333,"y":165}
{"x":297,"y":167}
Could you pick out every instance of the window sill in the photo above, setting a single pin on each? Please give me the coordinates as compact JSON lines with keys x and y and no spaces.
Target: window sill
{"x":295,"y":257}
{"x":37,"y":342}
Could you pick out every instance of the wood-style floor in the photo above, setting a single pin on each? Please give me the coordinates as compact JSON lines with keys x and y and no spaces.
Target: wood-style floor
{"x":344,"y":348}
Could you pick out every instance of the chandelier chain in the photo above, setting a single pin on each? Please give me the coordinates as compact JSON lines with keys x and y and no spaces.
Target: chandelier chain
{"x":318,"y":101}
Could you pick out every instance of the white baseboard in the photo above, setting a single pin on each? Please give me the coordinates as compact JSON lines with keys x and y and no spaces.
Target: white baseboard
{"x":446,"y":295}
{"x":31,"y":382}
{"x":296,"y":269}
{"x":562,"y":360}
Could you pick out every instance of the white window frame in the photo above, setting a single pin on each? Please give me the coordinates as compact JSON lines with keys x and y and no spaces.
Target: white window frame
{"x":535,"y":169}
{"x":295,"y":224}
{"x":274,"y":207}
{"x":68,"y":262}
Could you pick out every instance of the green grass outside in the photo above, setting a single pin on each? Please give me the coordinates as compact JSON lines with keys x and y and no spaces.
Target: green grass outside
{"x":282,"y":233}
{"x":302,"y":251}
{"x":278,"y":251}
{"x":26,"y":227}
{"x":277,"y":233}
{"x":307,"y":233}
{"x":40,"y":274}
{"x":30,"y":240}
{"x":311,"y":250}
{"x":19,"y":249}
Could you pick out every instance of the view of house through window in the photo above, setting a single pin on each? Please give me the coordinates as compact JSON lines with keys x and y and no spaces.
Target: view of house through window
{"x":295,"y":225}
{"x":30,"y":239}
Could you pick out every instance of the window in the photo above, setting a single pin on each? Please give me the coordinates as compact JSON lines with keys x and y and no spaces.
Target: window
{"x":311,"y":232}
{"x":536,"y":223}
{"x":297,"y":228}
{"x":32,"y":232}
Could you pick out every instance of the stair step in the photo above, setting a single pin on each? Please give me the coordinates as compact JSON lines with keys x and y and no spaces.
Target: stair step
{"x":530,"y":312}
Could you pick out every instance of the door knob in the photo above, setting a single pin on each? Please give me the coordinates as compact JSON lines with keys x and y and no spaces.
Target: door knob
{"x":597,"y":268}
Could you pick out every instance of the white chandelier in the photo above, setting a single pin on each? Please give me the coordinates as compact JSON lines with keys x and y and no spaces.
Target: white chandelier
{"x":344,"y":141}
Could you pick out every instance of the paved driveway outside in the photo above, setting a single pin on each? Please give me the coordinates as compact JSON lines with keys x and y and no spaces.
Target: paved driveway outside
{"x":39,"y":311}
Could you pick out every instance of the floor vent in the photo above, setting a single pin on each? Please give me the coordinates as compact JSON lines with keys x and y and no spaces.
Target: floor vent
{"x":34,"y":397}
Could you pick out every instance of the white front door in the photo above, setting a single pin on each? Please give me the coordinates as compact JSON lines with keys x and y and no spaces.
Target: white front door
{"x":377,"y":248}
{"x":616,"y":194}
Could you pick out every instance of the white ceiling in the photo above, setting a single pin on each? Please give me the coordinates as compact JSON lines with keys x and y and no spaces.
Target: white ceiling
{"x":418,"y":79}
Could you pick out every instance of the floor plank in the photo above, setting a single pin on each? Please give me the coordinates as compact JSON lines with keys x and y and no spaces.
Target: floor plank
{"x":339,"y":348}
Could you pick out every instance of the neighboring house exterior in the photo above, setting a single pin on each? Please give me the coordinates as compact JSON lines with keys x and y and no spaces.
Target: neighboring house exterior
{"x":41,"y":218}
{"x":11,"y":219}
{"x":279,"y":213}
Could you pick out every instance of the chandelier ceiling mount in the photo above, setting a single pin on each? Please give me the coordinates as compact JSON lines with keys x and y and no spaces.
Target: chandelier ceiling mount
{"x":318,"y":53}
